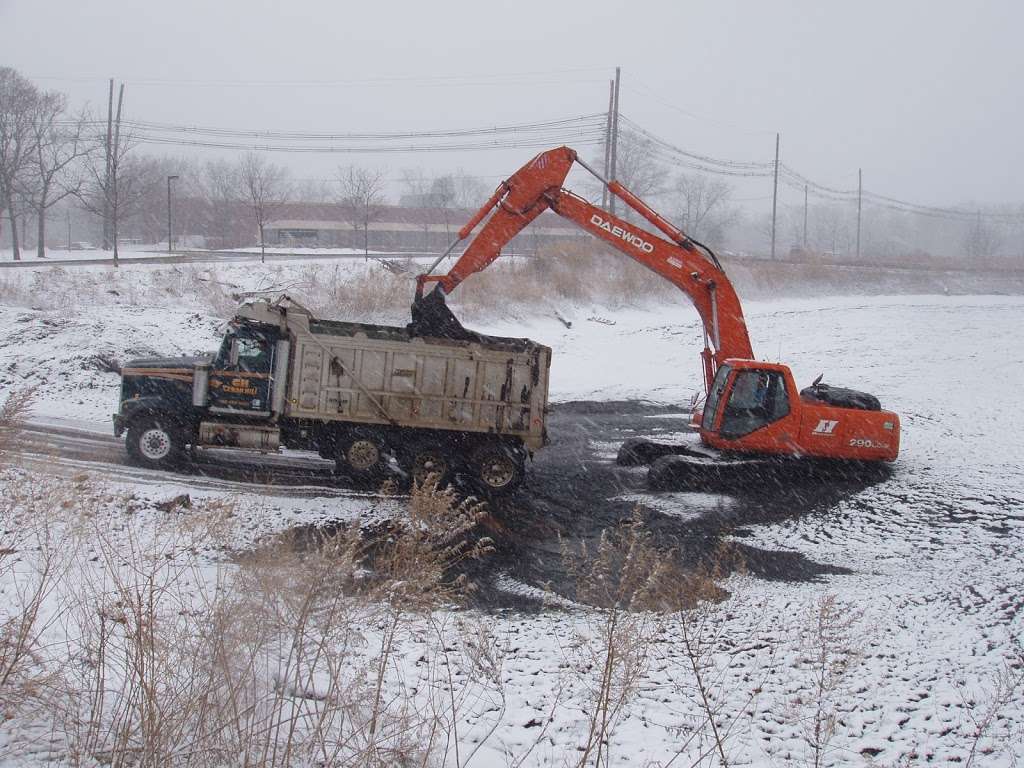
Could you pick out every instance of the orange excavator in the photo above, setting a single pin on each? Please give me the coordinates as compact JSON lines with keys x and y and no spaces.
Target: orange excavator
{"x":753,"y":409}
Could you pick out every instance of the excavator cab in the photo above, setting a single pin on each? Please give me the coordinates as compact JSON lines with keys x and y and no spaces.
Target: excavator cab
{"x":755,"y":407}
{"x":748,"y":403}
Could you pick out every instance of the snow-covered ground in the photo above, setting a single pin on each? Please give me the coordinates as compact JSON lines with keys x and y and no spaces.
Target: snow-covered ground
{"x":160,"y":249}
{"x":929,"y":565}
{"x":31,"y":256}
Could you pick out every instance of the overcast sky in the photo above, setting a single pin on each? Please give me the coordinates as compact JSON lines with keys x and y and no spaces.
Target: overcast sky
{"x":924,"y":96}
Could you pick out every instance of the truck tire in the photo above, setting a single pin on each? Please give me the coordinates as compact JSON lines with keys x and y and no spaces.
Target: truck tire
{"x":155,"y":442}
{"x":362,"y":455}
{"x":423,"y":459}
{"x":496,"y":470}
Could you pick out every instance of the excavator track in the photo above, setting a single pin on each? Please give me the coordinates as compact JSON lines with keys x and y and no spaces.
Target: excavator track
{"x":681,"y":467}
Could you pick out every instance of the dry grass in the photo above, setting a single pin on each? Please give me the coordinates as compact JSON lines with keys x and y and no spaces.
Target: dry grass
{"x":569,"y":274}
{"x":152,"y":656}
{"x":365,"y":291}
{"x":640,"y":591}
{"x":15,"y":409}
{"x":833,"y":645}
{"x":125,"y":640}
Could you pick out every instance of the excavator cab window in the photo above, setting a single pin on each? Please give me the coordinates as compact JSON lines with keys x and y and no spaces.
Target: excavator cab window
{"x":757,"y":398}
{"x":715,"y":397}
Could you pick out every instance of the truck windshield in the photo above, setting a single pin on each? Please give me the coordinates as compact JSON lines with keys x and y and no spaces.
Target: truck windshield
{"x":251,"y":352}
{"x":715,"y":397}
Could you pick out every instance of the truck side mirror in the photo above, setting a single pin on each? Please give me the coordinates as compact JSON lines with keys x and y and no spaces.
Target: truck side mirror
{"x":233,"y":354}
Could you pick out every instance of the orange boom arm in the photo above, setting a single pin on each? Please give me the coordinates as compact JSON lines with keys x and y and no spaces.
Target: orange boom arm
{"x":537,"y":186}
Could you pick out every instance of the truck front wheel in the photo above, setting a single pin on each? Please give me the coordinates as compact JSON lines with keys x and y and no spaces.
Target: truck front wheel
{"x":155,"y":442}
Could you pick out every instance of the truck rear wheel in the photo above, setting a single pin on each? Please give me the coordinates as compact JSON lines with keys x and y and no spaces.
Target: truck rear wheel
{"x":155,"y":442}
{"x":362,"y":455}
{"x":496,"y":469}
{"x":427,"y":459}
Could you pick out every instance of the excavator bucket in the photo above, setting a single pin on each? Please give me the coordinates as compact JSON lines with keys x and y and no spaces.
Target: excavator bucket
{"x":432,"y":317}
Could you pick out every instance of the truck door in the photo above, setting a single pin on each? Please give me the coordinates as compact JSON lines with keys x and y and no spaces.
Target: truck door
{"x":240,"y":380}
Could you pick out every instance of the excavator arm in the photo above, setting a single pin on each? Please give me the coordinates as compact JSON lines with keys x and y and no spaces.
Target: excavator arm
{"x":753,"y":407}
{"x":691,"y":267}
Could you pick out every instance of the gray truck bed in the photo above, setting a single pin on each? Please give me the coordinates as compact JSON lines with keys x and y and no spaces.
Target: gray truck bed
{"x":377,"y":374}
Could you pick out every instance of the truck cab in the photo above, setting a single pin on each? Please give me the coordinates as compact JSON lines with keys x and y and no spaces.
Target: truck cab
{"x":357,"y":394}
{"x":240,"y":378}
{"x":225,"y":399}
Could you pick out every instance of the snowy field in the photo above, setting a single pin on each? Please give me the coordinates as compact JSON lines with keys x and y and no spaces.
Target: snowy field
{"x":160,"y":249}
{"x":928,"y":566}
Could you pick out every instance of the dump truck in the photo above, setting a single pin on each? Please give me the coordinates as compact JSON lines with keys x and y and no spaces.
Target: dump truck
{"x":461,"y":406}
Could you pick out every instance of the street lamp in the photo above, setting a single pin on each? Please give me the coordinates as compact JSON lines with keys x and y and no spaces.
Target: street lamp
{"x":169,"y":180}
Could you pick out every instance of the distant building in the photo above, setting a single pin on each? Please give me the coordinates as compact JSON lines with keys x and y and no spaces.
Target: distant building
{"x":399,"y":228}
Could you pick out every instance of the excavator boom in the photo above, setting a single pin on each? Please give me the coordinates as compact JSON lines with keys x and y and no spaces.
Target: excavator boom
{"x":537,"y":187}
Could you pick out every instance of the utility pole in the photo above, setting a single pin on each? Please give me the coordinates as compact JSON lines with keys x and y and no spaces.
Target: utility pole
{"x":115,"y":161}
{"x":615,"y":139}
{"x":805,"y":218}
{"x":860,"y":189}
{"x":608,"y":141}
{"x":775,"y":192}
{"x":106,"y":178}
{"x":69,"y":228}
{"x":169,"y":240}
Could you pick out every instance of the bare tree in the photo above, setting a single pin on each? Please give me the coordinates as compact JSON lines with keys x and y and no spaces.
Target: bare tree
{"x":983,"y":239}
{"x":703,"y":206}
{"x":430,"y":196}
{"x":314,"y":191}
{"x":266,"y":187}
{"x":444,"y":194}
{"x":18,"y":97}
{"x":636,"y":168}
{"x":470,"y":191}
{"x":1017,"y":231}
{"x":831,"y":229}
{"x":362,"y":197}
{"x":417,"y":187}
{"x":219,"y":186}
{"x":132,"y":180}
{"x":117,"y":184}
{"x":55,"y":171}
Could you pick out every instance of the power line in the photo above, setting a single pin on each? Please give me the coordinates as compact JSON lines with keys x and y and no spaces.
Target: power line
{"x":688,"y":156}
{"x":670,"y":153}
{"x":813,"y":184}
{"x":581,"y":138}
{"x":419,"y":80}
{"x":545,"y":126}
{"x":580,"y":130}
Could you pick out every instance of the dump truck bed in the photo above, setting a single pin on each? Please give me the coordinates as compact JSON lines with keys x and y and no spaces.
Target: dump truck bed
{"x":378,"y":374}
